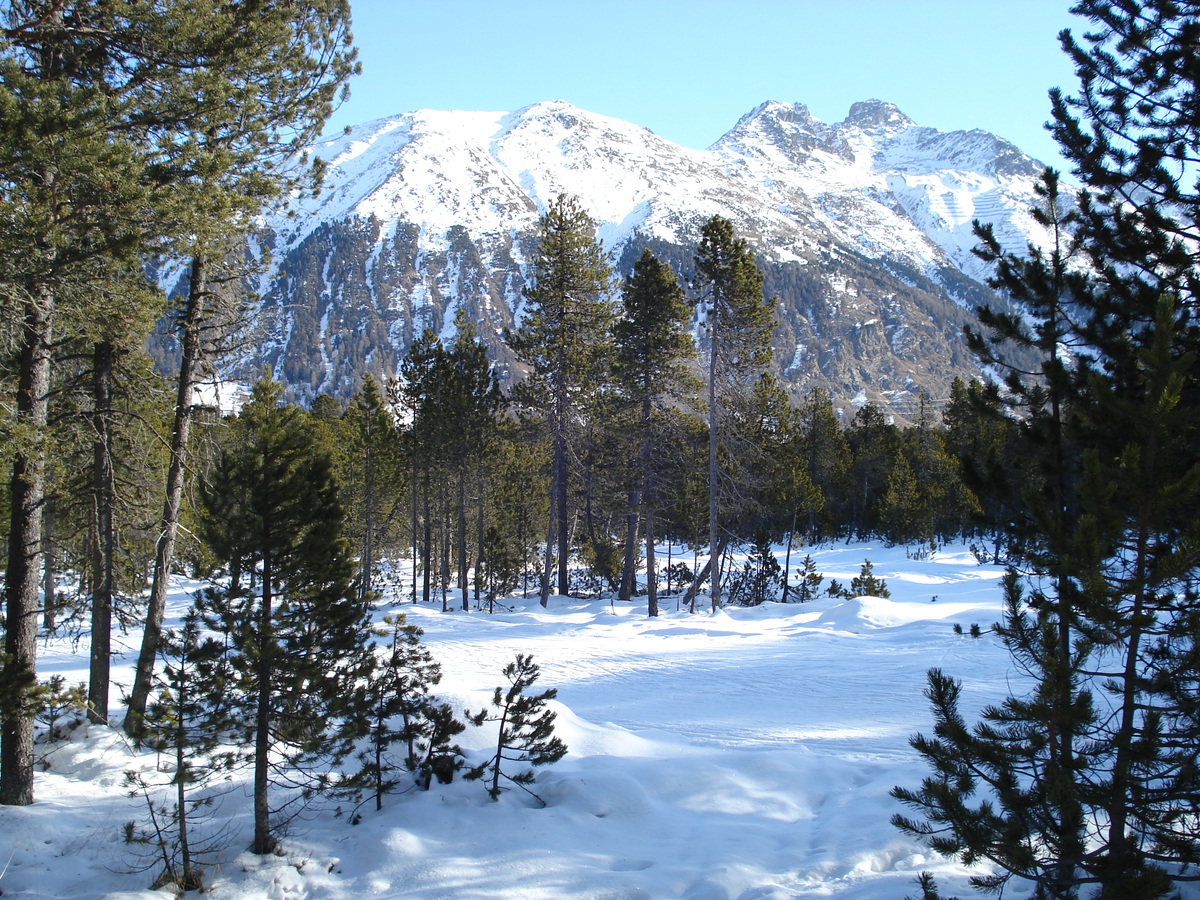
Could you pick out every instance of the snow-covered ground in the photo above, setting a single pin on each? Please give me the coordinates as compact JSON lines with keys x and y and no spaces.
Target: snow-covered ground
{"x":744,"y":754}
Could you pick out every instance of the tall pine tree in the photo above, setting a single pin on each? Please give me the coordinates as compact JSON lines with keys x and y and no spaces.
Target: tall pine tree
{"x":652,"y":361}
{"x":1081,"y":784}
{"x":564,"y":339}
{"x":738,"y":324}
{"x":265,"y":94}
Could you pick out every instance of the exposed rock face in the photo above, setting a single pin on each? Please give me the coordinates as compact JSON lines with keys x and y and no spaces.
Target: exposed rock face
{"x":862,"y":228}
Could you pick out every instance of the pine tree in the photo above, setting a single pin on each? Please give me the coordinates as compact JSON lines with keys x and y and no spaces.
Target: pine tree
{"x":187,"y":724}
{"x":455,"y":401}
{"x":564,"y":339}
{"x":822,"y":502}
{"x":109,"y":336}
{"x":866,"y":584}
{"x":1131,"y":134}
{"x":982,"y":441}
{"x":761,"y":430}
{"x":116,"y":94}
{"x":738,"y":323}
{"x":761,"y":575}
{"x":474,"y":404}
{"x":526,"y":728}
{"x":810,"y":580}
{"x":510,"y":542}
{"x":275,"y":72}
{"x":371,"y":473}
{"x":399,"y":689}
{"x":295,"y":623}
{"x":652,"y":365}
{"x":421,"y":372}
{"x":946,"y":506}
{"x":1082,"y":783}
{"x":60,"y":229}
{"x":875,"y":447}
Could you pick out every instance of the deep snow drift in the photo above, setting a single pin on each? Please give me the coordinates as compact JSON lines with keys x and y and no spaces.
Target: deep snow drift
{"x":744,"y":754}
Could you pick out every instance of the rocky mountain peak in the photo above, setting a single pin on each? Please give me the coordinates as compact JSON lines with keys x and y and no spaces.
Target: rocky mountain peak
{"x":794,"y":114}
{"x":788,"y":128}
{"x":877,"y":117}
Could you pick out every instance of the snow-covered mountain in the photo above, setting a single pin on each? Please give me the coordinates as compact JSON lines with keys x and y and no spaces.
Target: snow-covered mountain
{"x":863,"y":229}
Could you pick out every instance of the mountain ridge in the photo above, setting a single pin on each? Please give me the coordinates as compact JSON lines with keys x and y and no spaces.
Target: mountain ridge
{"x":863,"y":228}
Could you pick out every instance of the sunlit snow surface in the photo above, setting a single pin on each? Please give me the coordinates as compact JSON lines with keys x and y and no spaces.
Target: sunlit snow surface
{"x":744,"y":754}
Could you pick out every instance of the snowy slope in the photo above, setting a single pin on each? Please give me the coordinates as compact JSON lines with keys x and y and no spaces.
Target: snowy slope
{"x":876,"y":180}
{"x":863,"y":221}
{"x":747,"y":754}
{"x":888,"y":186}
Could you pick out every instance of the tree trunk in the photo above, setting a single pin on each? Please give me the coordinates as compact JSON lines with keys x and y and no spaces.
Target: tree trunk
{"x":164,"y":551}
{"x":24,"y":555}
{"x":415,"y":524}
{"x":427,"y":549}
{"x":629,"y":568}
{"x":714,"y":418}
{"x":670,"y":560}
{"x":462,"y":538}
{"x":263,"y":842}
{"x":104,"y":546}
{"x":651,"y":576}
{"x":444,"y":542}
{"x":545,"y":587}
{"x":643,"y":510}
{"x":787,"y":560}
{"x":479,"y":535}
{"x":181,"y":787}
{"x":49,"y":565}
{"x":560,"y":502}
{"x":368,"y":550}
{"x":689,"y":598}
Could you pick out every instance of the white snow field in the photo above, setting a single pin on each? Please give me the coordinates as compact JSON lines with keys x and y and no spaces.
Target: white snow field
{"x":745,"y":754}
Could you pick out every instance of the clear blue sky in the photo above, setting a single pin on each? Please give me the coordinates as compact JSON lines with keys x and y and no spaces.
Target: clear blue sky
{"x":688,"y":69}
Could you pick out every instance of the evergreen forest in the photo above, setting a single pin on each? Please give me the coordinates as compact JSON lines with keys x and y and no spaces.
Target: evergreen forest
{"x":629,"y":458}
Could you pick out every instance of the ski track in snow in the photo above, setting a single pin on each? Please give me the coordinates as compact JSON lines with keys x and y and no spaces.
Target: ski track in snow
{"x":741,"y":755}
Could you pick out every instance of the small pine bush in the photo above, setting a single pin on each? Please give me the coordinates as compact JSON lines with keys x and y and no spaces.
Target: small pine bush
{"x":56,"y":702}
{"x":810,"y":580}
{"x":761,"y":576}
{"x":867,"y":585}
{"x":526,"y":729}
{"x":677,"y":575}
{"x":402,"y":711}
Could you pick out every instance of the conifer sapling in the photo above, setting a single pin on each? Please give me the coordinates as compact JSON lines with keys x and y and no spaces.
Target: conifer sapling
{"x":867,"y":585}
{"x":526,"y":729}
{"x":810,"y":580}
{"x":399,"y":692}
